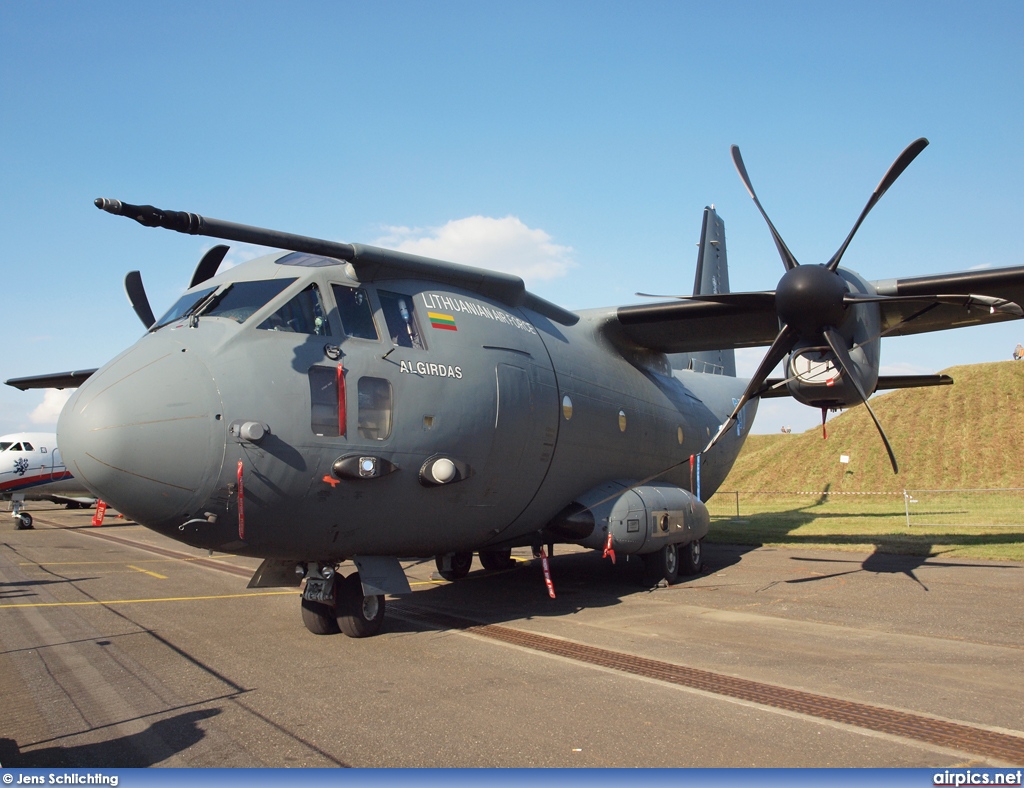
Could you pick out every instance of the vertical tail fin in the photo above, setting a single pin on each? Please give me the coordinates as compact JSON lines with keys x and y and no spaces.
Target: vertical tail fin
{"x":712,"y":277}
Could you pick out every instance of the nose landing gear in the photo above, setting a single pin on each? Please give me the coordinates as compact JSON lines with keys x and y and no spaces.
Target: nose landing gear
{"x":341,"y":606}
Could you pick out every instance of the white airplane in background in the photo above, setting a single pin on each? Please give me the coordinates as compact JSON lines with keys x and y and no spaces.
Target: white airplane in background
{"x":32,"y":469}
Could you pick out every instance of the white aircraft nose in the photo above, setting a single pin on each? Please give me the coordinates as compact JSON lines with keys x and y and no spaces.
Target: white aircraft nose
{"x":146,"y":433}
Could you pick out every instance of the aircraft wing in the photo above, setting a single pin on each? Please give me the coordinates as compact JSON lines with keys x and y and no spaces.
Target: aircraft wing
{"x":908,"y":306}
{"x":692,"y":324}
{"x":56,"y":380}
{"x":900,"y":318}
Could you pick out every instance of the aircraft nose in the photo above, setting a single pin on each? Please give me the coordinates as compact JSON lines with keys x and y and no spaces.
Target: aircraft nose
{"x":145,"y":433}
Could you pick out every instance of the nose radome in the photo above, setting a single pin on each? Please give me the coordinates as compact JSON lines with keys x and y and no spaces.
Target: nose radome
{"x":145,"y":433}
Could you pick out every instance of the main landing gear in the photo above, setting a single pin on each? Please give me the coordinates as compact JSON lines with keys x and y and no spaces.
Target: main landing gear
{"x":343,"y":608}
{"x":455,"y":566}
{"x":673,"y":560}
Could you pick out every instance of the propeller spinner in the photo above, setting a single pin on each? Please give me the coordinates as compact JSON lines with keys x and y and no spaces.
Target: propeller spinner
{"x":811,"y":300}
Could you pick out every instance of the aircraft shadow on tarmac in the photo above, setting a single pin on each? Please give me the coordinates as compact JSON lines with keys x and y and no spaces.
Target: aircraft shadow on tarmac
{"x":158,"y":742}
{"x":21,"y":589}
{"x":582,"y":580}
{"x":879,"y":562}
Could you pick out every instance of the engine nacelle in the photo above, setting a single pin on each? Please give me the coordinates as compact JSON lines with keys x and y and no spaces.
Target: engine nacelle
{"x":641,"y":519}
{"x":814,"y":378}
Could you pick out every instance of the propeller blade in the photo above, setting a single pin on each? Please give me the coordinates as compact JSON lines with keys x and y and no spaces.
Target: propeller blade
{"x":783,"y":343}
{"x":788,"y":259}
{"x":136,"y":293}
{"x":894,"y":172}
{"x":208,"y":266}
{"x":847,"y":367}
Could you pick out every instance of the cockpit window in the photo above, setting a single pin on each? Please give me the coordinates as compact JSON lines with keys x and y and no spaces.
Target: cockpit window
{"x":400,"y":315}
{"x":356,"y":314}
{"x":5,"y":445}
{"x":28,"y":447}
{"x":183,"y":306}
{"x":304,"y":314}
{"x":16,"y":447}
{"x":241,"y":299}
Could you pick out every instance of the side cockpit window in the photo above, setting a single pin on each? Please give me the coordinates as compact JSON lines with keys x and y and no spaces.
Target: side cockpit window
{"x":400,"y":315}
{"x":356,"y":312}
{"x":303,"y":314}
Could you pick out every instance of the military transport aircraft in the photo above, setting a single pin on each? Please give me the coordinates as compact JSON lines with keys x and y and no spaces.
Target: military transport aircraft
{"x":340,"y":402}
{"x":31,"y":469}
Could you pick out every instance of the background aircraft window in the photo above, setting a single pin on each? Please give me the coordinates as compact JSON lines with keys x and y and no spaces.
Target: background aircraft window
{"x":241,"y":299}
{"x":323,"y":396}
{"x":183,"y":305}
{"x":356,"y":314}
{"x":400,"y":315}
{"x":5,"y":446}
{"x":374,"y":408}
{"x":16,"y":447}
{"x":304,"y":314}
{"x":28,"y":446}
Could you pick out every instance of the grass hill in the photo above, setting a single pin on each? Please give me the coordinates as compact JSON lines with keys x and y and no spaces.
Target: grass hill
{"x":946,"y":437}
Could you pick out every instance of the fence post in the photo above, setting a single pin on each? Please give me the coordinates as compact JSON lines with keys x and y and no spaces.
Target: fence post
{"x":906,"y":505}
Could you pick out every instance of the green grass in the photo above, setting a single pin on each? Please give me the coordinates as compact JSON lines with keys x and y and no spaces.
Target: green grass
{"x":950,"y":437}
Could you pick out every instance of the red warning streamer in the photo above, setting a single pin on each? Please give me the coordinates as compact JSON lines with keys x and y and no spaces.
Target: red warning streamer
{"x":547,"y":573}
{"x":609,"y":552}
{"x":342,"y":416}
{"x":241,"y":503}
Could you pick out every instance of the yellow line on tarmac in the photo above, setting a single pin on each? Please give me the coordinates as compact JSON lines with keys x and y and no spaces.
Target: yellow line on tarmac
{"x":147,"y":572}
{"x":136,"y":601}
{"x":96,"y":563}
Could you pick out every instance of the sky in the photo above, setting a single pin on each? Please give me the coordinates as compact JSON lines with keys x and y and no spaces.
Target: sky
{"x":573,"y":143}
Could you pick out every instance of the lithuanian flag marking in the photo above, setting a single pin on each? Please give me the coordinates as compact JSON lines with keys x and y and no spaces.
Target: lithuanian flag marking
{"x":440,"y":320}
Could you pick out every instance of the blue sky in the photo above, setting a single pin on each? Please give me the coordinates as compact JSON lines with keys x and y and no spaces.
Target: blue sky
{"x":573,"y":142}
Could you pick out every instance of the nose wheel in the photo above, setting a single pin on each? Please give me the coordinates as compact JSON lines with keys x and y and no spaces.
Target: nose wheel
{"x":359,"y":615}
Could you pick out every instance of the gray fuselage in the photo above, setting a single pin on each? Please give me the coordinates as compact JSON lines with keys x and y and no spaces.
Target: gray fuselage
{"x":391,"y":375}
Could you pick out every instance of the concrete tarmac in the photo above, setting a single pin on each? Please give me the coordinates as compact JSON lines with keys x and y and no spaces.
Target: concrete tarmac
{"x":112,"y":655}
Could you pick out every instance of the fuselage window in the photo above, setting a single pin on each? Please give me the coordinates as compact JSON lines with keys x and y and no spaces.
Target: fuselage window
{"x":356,"y":313}
{"x":327,"y":416}
{"x":303,"y":314}
{"x":400,"y":315}
{"x":375,"y":408}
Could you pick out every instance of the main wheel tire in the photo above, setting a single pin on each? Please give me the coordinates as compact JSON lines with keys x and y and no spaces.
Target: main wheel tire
{"x":496,"y":560}
{"x":319,"y":618}
{"x":359,"y":615}
{"x":691,"y":557}
{"x":461,"y":563}
{"x":667,"y":563}
{"x":24,"y":521}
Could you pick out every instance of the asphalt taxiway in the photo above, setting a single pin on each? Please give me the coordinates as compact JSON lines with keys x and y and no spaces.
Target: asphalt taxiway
{"x":119,"y":647}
